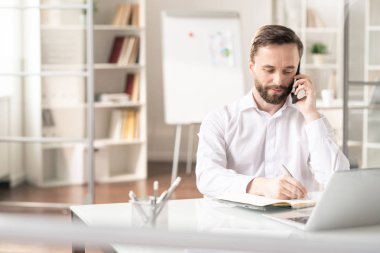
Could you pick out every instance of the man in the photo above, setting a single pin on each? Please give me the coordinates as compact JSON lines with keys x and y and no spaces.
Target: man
{"x":262,"y":143}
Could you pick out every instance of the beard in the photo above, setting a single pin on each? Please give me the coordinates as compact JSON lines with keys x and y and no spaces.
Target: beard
{"x":273,"y":98}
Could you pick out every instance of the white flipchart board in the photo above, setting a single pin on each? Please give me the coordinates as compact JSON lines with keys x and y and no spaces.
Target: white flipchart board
{"x":202,"y":64}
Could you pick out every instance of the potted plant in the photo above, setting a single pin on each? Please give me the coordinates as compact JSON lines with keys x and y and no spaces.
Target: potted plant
{"x":319,"y":51}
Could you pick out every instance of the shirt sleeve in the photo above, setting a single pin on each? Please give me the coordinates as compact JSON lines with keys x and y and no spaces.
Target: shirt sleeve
{"x":325,"y":154}
{"x":213,"y":178}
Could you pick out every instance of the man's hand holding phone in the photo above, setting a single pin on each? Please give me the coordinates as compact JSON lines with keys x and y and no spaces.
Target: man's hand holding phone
{"x":305,"y":90}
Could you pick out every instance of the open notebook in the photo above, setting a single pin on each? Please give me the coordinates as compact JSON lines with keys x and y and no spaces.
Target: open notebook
{"x":260,"y":202}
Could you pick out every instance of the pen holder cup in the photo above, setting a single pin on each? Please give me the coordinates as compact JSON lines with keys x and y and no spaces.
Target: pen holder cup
{"x":146,"y":214}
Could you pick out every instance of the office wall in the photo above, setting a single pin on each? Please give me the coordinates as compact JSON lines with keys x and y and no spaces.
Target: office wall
{"x":254,"y":13}
{"x":11,"y":87}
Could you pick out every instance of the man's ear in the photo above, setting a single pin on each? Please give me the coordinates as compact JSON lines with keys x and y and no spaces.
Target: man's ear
{"x":251,"y":66}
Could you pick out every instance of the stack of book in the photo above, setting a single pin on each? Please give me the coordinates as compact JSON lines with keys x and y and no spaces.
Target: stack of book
{"x":124,"y":124}
{"x":125,"y":50}
{"x":127,"y":14}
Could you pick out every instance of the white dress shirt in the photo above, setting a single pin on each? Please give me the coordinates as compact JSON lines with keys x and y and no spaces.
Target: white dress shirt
{"x":240,"y":142}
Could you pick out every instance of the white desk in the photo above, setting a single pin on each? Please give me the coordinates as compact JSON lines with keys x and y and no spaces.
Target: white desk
{"x":206,"y":215}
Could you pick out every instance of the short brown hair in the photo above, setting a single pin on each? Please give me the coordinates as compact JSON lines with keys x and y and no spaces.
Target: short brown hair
{"x":274,"y":34}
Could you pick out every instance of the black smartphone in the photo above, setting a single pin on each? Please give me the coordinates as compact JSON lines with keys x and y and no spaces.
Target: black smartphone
{"x":302,"y":94}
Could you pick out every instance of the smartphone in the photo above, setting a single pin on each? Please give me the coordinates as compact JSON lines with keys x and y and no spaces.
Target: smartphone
{"x":301,"y":94}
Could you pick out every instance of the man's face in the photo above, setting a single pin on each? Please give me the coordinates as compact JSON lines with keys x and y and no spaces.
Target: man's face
{"x":273,"y":71}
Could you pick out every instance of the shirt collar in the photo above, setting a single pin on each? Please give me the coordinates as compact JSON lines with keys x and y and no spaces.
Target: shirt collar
{"x":249,"y":102}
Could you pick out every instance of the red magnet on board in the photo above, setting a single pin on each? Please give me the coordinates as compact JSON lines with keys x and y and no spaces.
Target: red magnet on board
{"x":191,"y":34}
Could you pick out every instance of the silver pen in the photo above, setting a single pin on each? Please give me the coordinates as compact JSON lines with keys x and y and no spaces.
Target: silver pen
{"x":287,"y":171}
{"x":165,"y":196}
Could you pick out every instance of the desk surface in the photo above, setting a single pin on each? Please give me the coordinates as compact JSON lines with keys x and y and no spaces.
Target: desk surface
{"x":206,"y":215}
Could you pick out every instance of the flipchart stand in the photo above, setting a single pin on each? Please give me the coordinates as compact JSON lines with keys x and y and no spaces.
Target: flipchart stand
{"x":177,"y":145}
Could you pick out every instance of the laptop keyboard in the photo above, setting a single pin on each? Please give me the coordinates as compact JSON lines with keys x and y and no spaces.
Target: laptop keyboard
{"x":302,"y":220}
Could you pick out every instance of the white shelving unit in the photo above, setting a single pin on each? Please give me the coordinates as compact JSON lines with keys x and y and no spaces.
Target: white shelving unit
{"x":118,"y":159}
{"x":66,"y":99}
{"x":58,"y":79}
{"x":371,"y":122}
{"x":5,"y":167}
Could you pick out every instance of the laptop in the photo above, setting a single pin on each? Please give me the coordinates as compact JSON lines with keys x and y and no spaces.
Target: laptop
{"x":349,"y":200}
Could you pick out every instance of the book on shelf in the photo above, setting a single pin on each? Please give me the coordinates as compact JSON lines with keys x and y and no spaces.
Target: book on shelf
{"x":114,"y":97}
{"x":136,"y":88}
{"x":132,"y":86}
{"x":116,"y":125}
{"x":116,"y":49}
{"x":125,"y":50}
{"x":137,"y":124}
{"x":124,"y":124}
{"x":314,"y":19}
{"x":47,"y":118}
{"x":260,"y":202}
{"x":135,"y":19}
{"x":133,"y":57}
{"x":129,"y":125}
{"x":122,"y":15}
{"x":126,"y":14}
{"x":48,"y":123}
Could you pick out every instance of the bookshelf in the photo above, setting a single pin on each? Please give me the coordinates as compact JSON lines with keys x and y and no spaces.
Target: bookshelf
{"x":58,"y":105}
{"x":120,"y":127}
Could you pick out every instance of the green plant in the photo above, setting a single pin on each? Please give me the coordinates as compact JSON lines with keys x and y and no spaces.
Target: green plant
{"x":319,"y":48}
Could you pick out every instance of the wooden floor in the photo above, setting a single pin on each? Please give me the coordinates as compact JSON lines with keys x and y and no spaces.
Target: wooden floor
{"x":104,"y":193}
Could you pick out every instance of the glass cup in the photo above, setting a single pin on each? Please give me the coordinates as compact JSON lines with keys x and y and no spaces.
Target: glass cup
{"x":147,"y":214}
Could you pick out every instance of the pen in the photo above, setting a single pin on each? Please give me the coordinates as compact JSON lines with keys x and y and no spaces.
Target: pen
{"x":133,"y":196}
{"x":172,"y":188}
{"x":155,"y":192}
{"x":287,"y":171}
{"x":163,"y":194}
{"x":166,"y":195}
